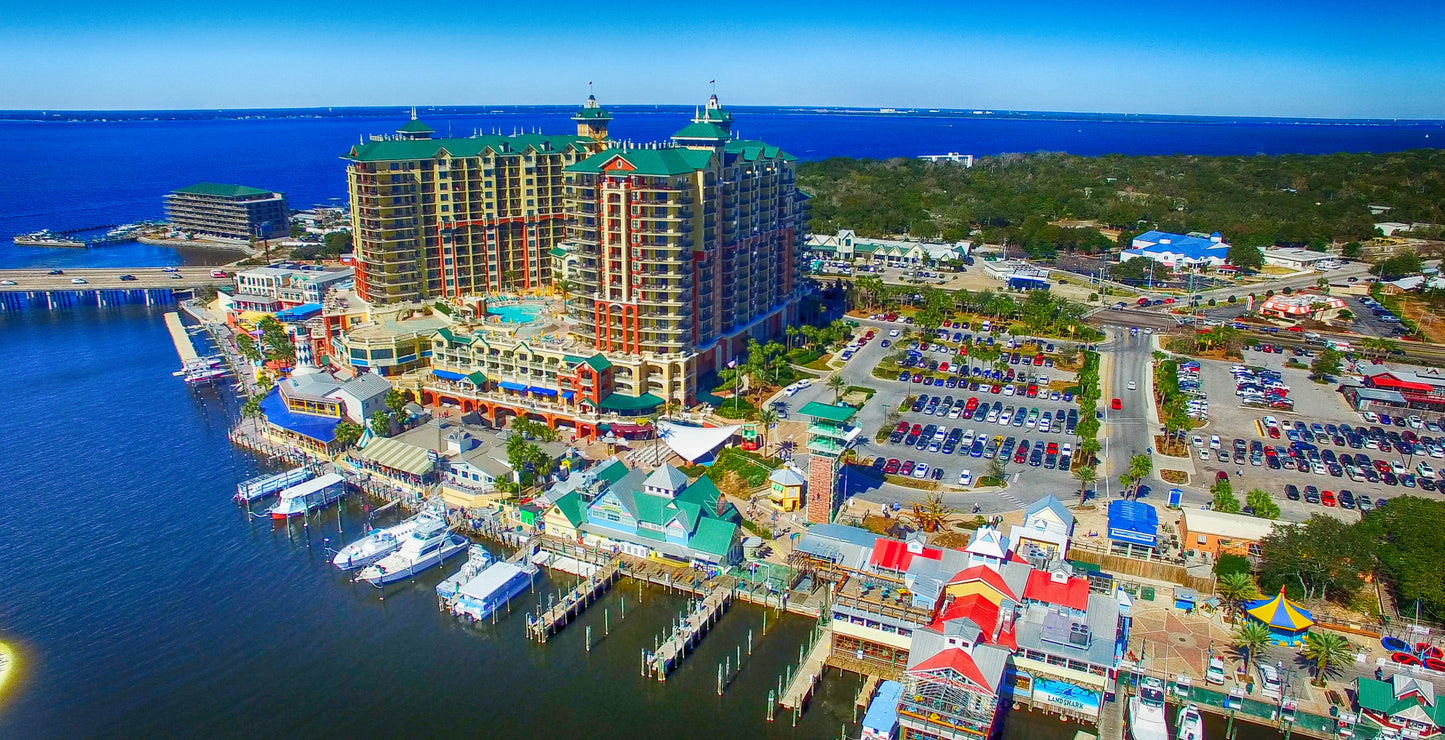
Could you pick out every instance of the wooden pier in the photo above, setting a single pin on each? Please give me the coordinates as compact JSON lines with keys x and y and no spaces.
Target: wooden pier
{"x":689,"y":632}
{"x":184,"y":346}
{"x":544,"y":625}
{"x":800,"y":687}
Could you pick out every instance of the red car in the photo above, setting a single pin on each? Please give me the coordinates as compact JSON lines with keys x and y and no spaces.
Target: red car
{"x":1381,"y":467}
{"x":1022,"y":453}
{"x":995,"y":389}
{"x":1273,"y":433}
{"x":1221,"y":476}
{"x":892,"y":466}
{"x":1327,"y":498}
{"x":1118,"y":404}
{"x":902,"y":427}
{"x":1052,"y":449}
{"x":1033,"y":391}
{"x":907,"y":468}
{"x":1038,"y":360}
{"x":972,"y":404}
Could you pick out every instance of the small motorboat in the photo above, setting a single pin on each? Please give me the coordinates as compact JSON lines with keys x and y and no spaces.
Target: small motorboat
{"x":1189,"y":724}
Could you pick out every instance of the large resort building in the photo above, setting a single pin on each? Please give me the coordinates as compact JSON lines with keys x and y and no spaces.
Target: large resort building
{"x":668,"y":258}
{"x":228,"y":211}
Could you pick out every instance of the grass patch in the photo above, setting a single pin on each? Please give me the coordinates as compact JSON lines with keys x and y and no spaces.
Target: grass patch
{"x":753,"y":468}
{"x":1177,"y":477}
{"x":990,"y":481}
{"x":819,"y":364}
{"x":910,"y":482}
{"x":737,"y":408}
{"x":804,"y":356}
{"x":867,"y":392}
{"x":760,"y":531}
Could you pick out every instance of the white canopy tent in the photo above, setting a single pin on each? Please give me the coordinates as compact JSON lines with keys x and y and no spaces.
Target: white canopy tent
{"x":693,"y":443}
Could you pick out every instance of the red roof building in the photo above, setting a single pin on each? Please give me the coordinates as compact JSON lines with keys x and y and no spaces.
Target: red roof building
{"x":1047,"y":588}
{"x":1419,"y":391}
{"x":986,"y":574}
{"x":896,"y":555}
{"x":960,"y":662}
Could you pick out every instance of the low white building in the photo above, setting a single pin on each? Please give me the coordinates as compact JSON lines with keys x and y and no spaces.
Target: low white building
{"x":848,"y":246}
{"x":1295,"y":259}
{"x":1178,"y":251}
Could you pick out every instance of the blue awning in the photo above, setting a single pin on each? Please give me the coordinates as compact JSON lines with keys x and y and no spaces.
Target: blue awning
{"x":567,"y":394}
{"x":447,"y":374}
{"x":509,"y":385}
{"x":542,"y":391}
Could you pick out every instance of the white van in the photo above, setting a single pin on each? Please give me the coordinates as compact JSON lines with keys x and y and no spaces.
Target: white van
{"x":1269,"y":683}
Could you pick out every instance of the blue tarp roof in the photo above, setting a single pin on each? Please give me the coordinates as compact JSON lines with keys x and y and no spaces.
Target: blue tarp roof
{"x":882,"y":713}
{"x":319,"y":428}
{"x":1133,"y":521}
{"x":1192,"y":247}
{"x":447,"y":374}
{"x":297,"y":313}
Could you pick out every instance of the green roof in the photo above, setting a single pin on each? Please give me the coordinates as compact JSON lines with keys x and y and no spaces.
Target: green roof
{"x":557,"y":252}
{"x":598,"y":362}
{"x":647,"y":161}
{"x":593,"y":114}
{"x":714,"y":536}
{"x":477,"y":378}
{"x":222,"y":191}
{"x":1380,"y":696}
{"x":751,"y":151}
{"x":619,"y":402}
{"x":716,"y":114}
{"x":828,"y":411}
{"x":471,"y":146}
{"x":415,"y":127}
{"x":703,"y":131}
{"x":573,"y":507}
{"x":611,"y":472}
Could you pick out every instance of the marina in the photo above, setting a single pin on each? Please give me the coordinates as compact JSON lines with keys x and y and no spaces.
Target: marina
{"x":77,"y":238}
{"x":427,"y":546}
{"x":303,"y":498}
{"x":261,"y":486}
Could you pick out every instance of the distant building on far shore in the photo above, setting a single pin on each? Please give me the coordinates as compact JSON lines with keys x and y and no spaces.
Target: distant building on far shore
{"x":228,"y":211}
{"x":964,"y":159}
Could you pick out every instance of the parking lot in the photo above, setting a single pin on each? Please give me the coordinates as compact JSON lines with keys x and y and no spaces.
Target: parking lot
{"x":1314,"y":404}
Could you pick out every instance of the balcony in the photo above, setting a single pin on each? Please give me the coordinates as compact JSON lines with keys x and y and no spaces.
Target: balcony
{"x":832,"y":431}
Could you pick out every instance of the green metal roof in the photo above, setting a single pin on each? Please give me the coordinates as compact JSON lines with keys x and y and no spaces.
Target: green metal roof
{"x":1380,"y":696}
{"x":592,"y":114}
{"x":703,"y":131}
{"x":714,"y":536}
{"x":477,"y":378}
{"x":751,"y":151}
{"x":557,"y":252}
{"x":647,"y":161}
{"x":828,"y":411}
{"x":599,"y":363}
{"x":716,"y":114}
{"x":221,"y":191}
{"x":573,"y":507}
{"x":472,"y":146}
{"x":619,"y":402}
{"x":416,"y":127}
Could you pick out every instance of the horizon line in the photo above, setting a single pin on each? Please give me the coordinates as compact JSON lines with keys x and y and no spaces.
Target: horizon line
{"x":848,"y":109}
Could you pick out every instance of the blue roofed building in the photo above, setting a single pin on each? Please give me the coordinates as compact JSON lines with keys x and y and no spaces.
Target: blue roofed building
{"x":1133,"y":528}
{"x":303,"y":410}
{"x":1178,"y":251}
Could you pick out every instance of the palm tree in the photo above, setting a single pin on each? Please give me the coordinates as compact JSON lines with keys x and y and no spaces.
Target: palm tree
{"x":1085,"y":475}
{"x":792,"y":333}
{"x":766,"y":418}
{"x":1328,"y":651}
{"x":1140,"y":467}
{"x":838,"y":384}
{"x":563,"y":286}
{"x":1234,"y":589}
{"x":1251,"y":638}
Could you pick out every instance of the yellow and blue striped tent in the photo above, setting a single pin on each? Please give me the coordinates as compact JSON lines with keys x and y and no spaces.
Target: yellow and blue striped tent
{"x":1287,"y":622}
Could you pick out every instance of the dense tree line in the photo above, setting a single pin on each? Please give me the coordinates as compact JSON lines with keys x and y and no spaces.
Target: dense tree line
{"x":1307,"y":200}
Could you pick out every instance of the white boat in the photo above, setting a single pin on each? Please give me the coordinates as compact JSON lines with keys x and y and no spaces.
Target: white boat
{"x":478,"y":559}
{"x":378,"y":543}
{"x":430,"y":544}
{"x":1146,"y":711}
{"x":1189,"y":724}
{"x":491,"y":589}
{"x":312,"y":494}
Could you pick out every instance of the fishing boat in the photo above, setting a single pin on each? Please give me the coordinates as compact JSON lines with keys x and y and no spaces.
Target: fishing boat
{"x":478,"y":559}
{"x":427,"y":546}
{"x":262,"y":486}
{"x":1146,"y":711}
{"x":378,"y":543}
{"x":304,"y":497}
{"x":1189,"y":724}
{"x":482,"y":595}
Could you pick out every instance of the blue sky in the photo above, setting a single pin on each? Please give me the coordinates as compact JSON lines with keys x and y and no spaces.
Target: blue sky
{"x":1308,"y":59}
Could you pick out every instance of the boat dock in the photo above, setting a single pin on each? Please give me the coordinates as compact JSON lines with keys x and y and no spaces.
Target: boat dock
{"x":810,"y":672}
{"x":573,"y":602}
{"x":184,"y":347}
{"x":1111,"y":721}
{"x":689,"y":632}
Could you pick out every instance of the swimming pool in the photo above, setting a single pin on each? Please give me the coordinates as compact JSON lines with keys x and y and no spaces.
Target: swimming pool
{"x":517,"y":313}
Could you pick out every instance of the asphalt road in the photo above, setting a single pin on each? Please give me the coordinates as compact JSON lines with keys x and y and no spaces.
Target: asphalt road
{"x":1128,"y":431}
{"x":108,"y":279}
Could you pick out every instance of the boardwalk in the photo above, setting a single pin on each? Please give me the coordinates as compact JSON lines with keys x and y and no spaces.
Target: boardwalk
{"x":689,"y":632}
{"x":573,"y":602}
{"x":800,"y":688}
{"x":1111,"y":722}
{"x":184,"y":347}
